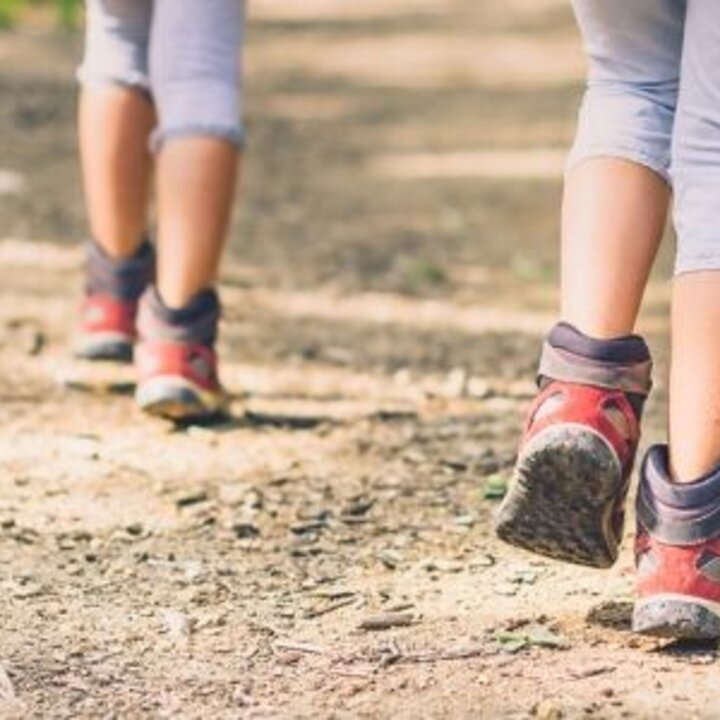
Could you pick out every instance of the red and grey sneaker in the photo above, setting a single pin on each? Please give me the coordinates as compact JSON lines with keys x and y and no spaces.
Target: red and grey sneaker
{"x":567,"y":496}
{"x":107,"y":319}
{"x":107,"y":329}
{"x":176,"y":361}
{"x":677,"y":553}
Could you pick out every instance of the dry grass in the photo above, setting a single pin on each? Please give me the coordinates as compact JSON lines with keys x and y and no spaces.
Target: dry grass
{"x":427,"y":61}
{"x":541,"y":164}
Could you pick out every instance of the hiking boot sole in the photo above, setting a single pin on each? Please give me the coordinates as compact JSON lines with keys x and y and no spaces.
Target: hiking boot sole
{"x":178,"y":399}
{"x":677,"y":617}
{"x":563,"y":497}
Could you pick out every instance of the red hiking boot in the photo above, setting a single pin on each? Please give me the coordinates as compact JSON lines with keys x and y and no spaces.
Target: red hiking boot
{"x":566,"y":499}
{"x":177,"y":364}
{"x":179,"y":381}
{"x":113,"y":287}
{"x":677,"y":552}
{"x":106,"y":330}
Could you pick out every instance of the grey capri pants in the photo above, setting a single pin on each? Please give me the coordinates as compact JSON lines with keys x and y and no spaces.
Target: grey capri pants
{"x":653,"y":97}
{"x":185,"y":53}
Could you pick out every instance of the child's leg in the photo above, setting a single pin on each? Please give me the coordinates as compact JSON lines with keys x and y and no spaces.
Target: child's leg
{"x":678,"y":541}
{"x":579,"y":446}
{"x":695,"y":377}
{"x":196,"y":84}
{"x":116,"y":118}
{"x":616,"y":194}
{"x":614,"y":215}
{"x":196,"y":181}
{"x":695,"y":373}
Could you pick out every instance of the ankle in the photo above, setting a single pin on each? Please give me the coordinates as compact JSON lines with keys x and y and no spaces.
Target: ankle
{"x":623,"y":364}
{"x":196,"y":322}
{"x":123,"y":279}
{"x":659,"y":487}
{"x":179,"y":296}
{"x":683,"y":469}
{"x":621,"y":349}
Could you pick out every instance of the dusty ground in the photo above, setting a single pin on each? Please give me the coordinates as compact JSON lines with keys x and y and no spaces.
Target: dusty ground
{"x":391,"y":272}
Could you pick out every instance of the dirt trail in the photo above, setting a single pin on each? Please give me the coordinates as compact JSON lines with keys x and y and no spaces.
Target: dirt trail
{"x":384,"y":306}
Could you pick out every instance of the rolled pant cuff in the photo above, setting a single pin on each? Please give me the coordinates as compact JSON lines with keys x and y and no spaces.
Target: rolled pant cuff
{"x":697,"y":263}
{"x":660,"y":166}
{"x":131,"y":80}
{"x":160,"y":137}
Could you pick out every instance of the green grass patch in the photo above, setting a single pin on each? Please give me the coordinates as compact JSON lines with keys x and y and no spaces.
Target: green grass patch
{"x":67,"y":11}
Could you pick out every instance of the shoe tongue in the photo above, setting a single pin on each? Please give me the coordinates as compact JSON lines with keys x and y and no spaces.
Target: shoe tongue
{"x":121,"y":279}
{"x":196,"y":323}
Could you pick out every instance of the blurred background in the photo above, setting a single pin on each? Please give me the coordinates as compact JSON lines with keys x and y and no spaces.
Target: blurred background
{"x":441,"y":123}
{"x":67,"y":12}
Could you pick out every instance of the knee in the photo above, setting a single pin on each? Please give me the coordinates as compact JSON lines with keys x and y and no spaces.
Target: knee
{"x":197,"y":106}
{"x":197,"y":87}
{"x":633,"y":51}
{"x":696,"y":176}
{"x":631,"y":120}
{"x":116,"y":43}
{"x":696,"y":223}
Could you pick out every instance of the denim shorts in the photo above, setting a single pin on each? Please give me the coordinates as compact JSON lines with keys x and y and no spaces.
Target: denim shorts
{"x":184,"y":53}
{"x":653,"y":98}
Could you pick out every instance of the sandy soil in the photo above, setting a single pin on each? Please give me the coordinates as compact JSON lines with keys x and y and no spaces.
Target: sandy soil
{"x":328,"y":552}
